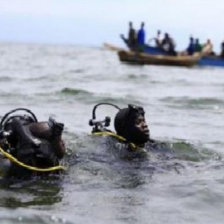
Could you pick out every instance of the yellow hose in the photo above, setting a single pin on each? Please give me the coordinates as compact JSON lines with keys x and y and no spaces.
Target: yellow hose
{"x":16,"y":161}
{"x":108,"y":133}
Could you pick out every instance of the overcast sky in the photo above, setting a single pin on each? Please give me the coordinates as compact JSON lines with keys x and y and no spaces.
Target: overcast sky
{"x":92,"y":22}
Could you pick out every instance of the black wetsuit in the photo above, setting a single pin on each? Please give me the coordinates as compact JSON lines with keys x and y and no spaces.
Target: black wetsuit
{"x":123,"y":150}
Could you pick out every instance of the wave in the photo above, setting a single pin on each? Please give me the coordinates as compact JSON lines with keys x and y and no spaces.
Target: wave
{"x":5,"y":78}
{"x":90,"y":97}
{"x":23,"y":216}
{"x":199,"y":103}
{"x":71,"y":91}
{"x":165,"y":151}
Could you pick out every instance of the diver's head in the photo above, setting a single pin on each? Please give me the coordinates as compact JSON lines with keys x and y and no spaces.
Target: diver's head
{"x":130,"y":123}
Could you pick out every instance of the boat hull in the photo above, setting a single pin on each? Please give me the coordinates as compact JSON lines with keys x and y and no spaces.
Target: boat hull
{"x":204,"y":61}
{"x":211,"y":61}
{"x":154,"y":50}
{"x":145,"y":58}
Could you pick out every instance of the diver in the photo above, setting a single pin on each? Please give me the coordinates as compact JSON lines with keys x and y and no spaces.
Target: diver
{"x":32,"y":147}
{"x":132,"y":132}
{"x":130,"y":123}
{"x":131,"y":140}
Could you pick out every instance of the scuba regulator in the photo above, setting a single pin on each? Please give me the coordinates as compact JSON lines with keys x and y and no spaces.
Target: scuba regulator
{"x":100,"y":125}
{"x":124,"y":124}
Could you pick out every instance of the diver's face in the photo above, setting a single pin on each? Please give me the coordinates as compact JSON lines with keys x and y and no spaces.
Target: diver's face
{"x":141,"y":125}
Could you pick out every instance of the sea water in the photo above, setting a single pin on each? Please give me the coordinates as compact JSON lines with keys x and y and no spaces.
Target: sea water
{"x":184,"y":109}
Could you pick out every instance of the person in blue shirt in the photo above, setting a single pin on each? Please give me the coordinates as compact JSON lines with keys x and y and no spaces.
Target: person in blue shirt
{"x":191,"y":47}
{"x":141,"y":37}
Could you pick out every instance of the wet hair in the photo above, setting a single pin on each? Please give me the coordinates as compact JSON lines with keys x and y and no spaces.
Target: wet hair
{"x":125,"y":126}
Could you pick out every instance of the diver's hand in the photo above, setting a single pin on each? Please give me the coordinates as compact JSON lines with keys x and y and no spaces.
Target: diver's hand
{"x":56,"y":127}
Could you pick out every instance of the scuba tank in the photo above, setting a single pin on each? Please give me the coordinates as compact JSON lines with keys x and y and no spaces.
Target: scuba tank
{"x":7,"y":137}
{"x":17,"y":139}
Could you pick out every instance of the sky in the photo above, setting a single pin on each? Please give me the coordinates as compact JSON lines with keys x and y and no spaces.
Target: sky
{"x":93,"y":22}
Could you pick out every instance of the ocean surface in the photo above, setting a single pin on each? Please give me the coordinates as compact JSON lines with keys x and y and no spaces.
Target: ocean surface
{"x":184,"y":109}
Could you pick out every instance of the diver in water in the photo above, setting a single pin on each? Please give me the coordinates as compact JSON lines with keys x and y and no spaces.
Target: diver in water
{"x":132,"y":132}
{"x":32,"y":147}
{"x":130,"y":123}
{"x":131,"y":140}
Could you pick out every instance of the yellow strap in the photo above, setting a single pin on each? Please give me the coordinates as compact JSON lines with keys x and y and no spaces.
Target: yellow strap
{"x":14,"y":160}
{"x":134,"y":146}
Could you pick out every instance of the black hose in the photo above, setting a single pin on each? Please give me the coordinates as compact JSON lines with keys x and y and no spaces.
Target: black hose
{"x":95,"y":107}
{"x":6,"y":117}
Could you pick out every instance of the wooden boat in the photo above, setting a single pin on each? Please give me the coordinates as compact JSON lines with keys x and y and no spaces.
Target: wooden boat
{"x":211,"y":61}
{"x":203,"y":61}
{"x":112,"y":47}
{"x":145,"y":58}
{"x":154,"y":50}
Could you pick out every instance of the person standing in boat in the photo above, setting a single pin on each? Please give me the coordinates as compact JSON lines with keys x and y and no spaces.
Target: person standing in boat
{"x":191,"y":46}
{"x":131,"y":41}
{"x":141,"y":37}
{"x":222,"y":50}
{"x":158,"y":39}
{"x":208,"y":49}
{"x":168,"y":45}
{"x":132,"y":36}
{"x":198,"y":46}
